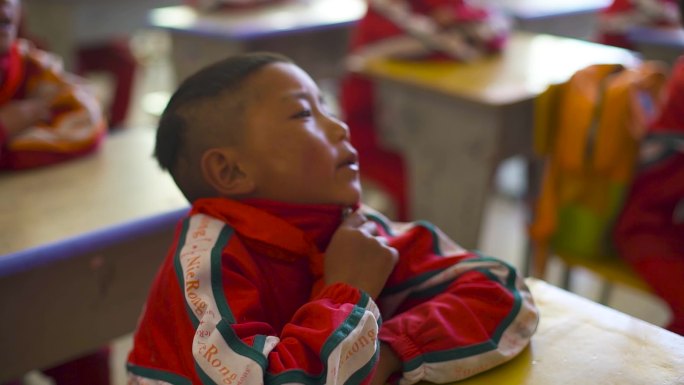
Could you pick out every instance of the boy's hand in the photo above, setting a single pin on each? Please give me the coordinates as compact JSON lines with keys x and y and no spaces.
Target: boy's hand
{"x":16,"y":116}
{"x":358,"y":258}
{"x":388,"y":364}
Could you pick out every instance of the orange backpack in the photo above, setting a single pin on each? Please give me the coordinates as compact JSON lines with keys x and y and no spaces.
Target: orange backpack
{"x":588,"y":130}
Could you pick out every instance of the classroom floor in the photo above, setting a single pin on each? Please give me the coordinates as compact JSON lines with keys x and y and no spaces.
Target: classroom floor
{"x":503,"y":228}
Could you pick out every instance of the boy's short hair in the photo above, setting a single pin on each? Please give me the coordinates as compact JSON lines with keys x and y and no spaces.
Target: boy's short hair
{"x":204,"y":111}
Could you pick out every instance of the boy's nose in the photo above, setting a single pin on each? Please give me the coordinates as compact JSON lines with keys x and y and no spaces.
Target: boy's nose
{"x":339,"y":130}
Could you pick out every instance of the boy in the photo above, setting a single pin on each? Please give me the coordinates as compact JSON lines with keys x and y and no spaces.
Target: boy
{"x":275,"y":278}
{"x":45,"y":115}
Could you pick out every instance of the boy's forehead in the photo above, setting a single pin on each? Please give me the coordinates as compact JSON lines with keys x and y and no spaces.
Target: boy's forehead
{"x":282,"y":81}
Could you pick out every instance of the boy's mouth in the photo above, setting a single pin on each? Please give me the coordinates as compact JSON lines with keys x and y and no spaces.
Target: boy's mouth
{"x":351,"y":161}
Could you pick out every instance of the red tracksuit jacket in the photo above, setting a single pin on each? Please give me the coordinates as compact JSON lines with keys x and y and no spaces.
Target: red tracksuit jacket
{"x":240,"y":300}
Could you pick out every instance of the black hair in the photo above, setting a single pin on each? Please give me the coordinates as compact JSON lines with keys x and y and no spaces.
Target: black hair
{"x":223,"y":76}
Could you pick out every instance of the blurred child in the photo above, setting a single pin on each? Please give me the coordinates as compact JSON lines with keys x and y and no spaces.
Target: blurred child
{"x":650,"y":231}
{"x":277,"y":275}
{"x":46,"y":116}
{"x":616,"y":20}
{"x":410,"y":29}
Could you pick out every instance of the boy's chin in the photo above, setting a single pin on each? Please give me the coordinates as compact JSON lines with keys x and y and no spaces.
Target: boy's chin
{"x":348,"y":201}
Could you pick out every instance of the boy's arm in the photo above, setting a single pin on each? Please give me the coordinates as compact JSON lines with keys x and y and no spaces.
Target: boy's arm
{"x":452,"y":317}
{"x":439,"y":29}
{"x":332,"y":338}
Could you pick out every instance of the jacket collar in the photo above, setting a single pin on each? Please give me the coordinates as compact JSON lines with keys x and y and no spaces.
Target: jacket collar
{"x":298,"y":228}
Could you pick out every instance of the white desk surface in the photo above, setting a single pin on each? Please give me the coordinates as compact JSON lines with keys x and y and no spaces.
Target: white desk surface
{"x":262,"y":21}
{"x":119,"y":183}
{"x":528,"y":64}
{"x":581,"y":342}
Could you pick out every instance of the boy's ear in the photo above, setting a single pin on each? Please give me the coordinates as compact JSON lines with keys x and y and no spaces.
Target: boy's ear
{"x":222,"y":171}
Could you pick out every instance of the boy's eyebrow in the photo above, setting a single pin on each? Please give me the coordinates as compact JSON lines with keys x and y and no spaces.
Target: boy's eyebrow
{"x":305,"y":95}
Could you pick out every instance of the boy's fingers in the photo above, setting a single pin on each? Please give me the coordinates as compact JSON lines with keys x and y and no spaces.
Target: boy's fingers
{"x":354,"y":220}
{"x":369,"y":227}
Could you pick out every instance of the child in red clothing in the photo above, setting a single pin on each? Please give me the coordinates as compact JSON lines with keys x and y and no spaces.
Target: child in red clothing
{"x":46,"y":116}
{"x":650,"y":231}
{"x":617,"y":19}
{"x":413,"y":29}
{"x":277,"y":275}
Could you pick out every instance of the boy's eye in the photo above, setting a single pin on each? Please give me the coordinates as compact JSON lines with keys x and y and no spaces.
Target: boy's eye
{"x":306,"y":113}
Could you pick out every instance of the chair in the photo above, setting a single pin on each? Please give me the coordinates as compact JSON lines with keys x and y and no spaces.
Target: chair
{"x":585,"y":131}
{"x":113,"y":57}
{"x":611,"y":270}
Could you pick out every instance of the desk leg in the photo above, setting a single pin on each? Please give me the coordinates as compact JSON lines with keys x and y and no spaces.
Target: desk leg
{"x":452,"y":148}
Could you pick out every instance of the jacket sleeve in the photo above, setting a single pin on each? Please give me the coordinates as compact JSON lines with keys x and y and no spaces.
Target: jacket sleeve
{"x":450,"y":314}
{"x":330,"y":339}
{"x":76,"y":125}
{"x":467,"y":40}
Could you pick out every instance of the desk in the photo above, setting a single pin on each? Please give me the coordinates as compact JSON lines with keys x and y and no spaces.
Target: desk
{"x":313,"y":33}
{"x":582,"y":342}
{"x":569,"y":18}
{"x":455,"y":122}
{"x":67,"y":24}
{"x":79,"y":245}
{"x":666,"y":44}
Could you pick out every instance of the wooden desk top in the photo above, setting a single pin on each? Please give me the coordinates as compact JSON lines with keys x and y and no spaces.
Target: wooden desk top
{"x":259,"y":22}
{"x":119,"y":183}
{"x":581,"y":342}
{"x":527,"y":66}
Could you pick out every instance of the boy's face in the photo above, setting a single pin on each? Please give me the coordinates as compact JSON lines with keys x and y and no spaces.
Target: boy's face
{"x":9,"y":21}
{"x":294,"y":150}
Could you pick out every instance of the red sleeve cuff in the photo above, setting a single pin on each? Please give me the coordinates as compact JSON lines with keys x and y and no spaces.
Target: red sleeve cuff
{"x":339,"y":292}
